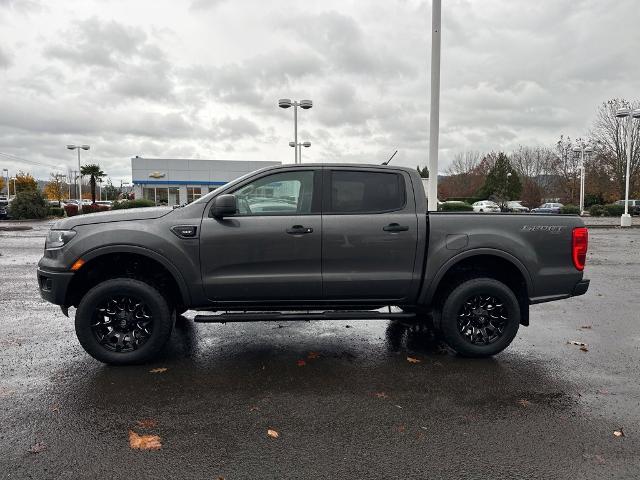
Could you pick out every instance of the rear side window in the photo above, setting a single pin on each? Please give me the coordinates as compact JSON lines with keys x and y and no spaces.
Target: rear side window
{"x":365,"y":192}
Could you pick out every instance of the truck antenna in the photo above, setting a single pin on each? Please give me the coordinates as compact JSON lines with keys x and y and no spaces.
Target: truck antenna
{"x":390,"y":158}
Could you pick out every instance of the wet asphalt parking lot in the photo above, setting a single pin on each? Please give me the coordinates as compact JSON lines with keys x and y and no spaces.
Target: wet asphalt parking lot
{"x":342,"y":396}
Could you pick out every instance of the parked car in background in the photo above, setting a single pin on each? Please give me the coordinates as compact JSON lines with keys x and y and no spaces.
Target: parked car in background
{"x":105,"y":203}
{"x":516,"y":206}
{"x":548,"y":208}
{"x":486,"y":206}
{"x":634,"y":206}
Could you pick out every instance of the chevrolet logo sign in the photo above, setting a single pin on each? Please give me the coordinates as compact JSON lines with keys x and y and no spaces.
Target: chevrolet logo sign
{"x":157,"y":174}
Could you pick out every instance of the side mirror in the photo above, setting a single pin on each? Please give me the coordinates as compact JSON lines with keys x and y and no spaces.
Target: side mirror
{"x":224,"y":206}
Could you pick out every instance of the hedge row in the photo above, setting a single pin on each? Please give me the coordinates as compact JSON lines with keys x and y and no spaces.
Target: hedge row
{"x":455,"y":207}
{"x":139,"y":203}
{"x":611,"y":210}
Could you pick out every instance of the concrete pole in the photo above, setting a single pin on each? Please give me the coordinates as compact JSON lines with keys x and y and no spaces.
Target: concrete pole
{"x":625,"y":220}
{"x":582,"y":180}
{"x":295,"y":129}
{"x":435,"y":105}
{"x":79,"y":176}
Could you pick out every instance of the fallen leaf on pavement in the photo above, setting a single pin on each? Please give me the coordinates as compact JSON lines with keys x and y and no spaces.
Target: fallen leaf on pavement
{"x":599,"y":459}
{"x":618,"y":433}
{"x":273,"y":433}
{"x":301,"y":363}
{"x":254,"y":408}
{"x":586,"y":327}
{"x":144,"y":442}
{"x":524,"y":402}
{"x":380,"y":395}
{"x":158,"y":370}
{"x":147,"y":423}
{"x":584,"y":349}
{"x":313,"y":355}
{"x":413,"y":360}
{"x":38,"y":447}
{"x":575,"y":342}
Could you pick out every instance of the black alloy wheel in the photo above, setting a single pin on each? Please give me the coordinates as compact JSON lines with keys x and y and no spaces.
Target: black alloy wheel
{"x":122,"y":323}
{"x":482,"y":319}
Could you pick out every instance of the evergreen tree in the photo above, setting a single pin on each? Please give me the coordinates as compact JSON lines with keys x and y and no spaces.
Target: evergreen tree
{"x":424,"y":172}
{"x":502,"y":183}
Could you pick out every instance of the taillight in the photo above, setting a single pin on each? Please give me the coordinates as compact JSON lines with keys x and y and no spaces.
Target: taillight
{"x":579,"y":243}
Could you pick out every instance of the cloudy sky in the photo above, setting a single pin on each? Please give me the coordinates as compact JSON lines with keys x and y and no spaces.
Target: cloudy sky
{"x":201,"y":78}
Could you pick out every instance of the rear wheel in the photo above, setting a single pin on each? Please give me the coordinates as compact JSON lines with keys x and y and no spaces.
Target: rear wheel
{"x":480,"y":317}
{"x":123,"y":321}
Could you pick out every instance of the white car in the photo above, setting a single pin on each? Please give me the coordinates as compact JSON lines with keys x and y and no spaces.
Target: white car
{"x":486,"y":206}
{"x":516,"y":206}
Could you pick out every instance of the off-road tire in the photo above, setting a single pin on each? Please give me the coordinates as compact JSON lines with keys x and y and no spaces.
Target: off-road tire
{"x":162,"y":316}
{"x":454,"y":305}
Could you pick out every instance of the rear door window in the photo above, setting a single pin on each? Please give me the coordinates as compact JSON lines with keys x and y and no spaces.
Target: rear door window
{"x":365,"y":192}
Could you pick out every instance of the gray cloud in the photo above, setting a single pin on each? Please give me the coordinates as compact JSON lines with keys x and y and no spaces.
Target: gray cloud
{"x":5,"y":59}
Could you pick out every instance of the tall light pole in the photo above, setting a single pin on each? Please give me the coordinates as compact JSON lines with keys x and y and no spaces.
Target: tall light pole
{"x":299,"y":147}
{"x":625,"y":219}
{"x":78,"y":148}
{"x":5,"y":171}
{"x":434,"y":118}
{"x":305,"y":105}
{"x":582,"y":148}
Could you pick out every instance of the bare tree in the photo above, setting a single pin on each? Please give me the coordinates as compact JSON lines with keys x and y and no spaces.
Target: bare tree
{"x":534,"y":165}
{"x":609,"y":136}
{"x":464,"y":163}
{"x":566,"y":169}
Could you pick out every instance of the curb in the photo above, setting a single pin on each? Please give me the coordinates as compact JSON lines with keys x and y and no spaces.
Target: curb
{"x":591,"y":227}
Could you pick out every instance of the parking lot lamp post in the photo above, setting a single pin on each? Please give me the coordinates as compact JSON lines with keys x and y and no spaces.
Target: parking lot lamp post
{"x":78,"y":148}
{"x":582,"y":149}
{"x":299,"y":147}
{"x":625,"y":219}
{"x":305,"y":105}
{"x":5,"y":171}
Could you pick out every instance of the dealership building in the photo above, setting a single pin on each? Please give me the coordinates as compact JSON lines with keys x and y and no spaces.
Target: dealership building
{"x":177,"y":181}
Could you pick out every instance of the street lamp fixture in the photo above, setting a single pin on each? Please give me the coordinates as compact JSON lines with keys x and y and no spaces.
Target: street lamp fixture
{"x":300,"y":145}
{"x":625,"y":219}
{"x":582,"y":149}
{"x":78,"y":148}
{"x":305,"y":105}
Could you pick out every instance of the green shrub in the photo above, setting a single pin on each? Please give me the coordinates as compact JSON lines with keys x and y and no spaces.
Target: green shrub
{"x":55,"y":212}
{"x":570,"y":209}
{"x":28,"y":204}
{"x":613,"y":210}
{"x":596,"y":210}
{"x":455,"y":207}
{"x":139,"y":203}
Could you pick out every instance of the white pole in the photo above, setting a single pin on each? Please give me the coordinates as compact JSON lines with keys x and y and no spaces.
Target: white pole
{"x":295,"y":129}
{"x":625,"y":220}
{"x":79,"y":176}
{"x":435,"y":105}
{"x":582,"y":180}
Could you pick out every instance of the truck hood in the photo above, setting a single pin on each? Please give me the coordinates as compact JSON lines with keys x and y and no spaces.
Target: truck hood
{"x":123,"y":215}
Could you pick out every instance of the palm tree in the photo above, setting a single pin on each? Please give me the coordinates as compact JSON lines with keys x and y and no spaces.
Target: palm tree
{"x":94,"y":173}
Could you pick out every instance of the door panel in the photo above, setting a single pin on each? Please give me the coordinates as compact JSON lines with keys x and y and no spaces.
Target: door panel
{"x":270,"y":251}
{"x":254,"y":258}
{"x":367,"y":255}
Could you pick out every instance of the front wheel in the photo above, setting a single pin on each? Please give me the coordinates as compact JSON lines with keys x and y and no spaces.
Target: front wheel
{"x":480,"y":317}
{"x":123,"y":321}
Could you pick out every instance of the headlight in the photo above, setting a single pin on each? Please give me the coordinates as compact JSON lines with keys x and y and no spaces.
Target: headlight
{"x":58,"y":238}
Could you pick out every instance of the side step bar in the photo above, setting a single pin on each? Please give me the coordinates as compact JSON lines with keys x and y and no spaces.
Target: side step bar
{"x":297,"y":316}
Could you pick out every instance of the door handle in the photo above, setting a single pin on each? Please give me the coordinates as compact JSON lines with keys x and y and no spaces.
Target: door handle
{"x":395,"y":227}
{"x":299,"y":230}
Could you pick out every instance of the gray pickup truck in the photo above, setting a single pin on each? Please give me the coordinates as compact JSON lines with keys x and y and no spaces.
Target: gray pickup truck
{"x":308,"y":242}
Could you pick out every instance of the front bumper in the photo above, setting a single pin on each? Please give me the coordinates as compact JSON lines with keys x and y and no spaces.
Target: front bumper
{"x":581,"y":288}
{"x":53,"y":285}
